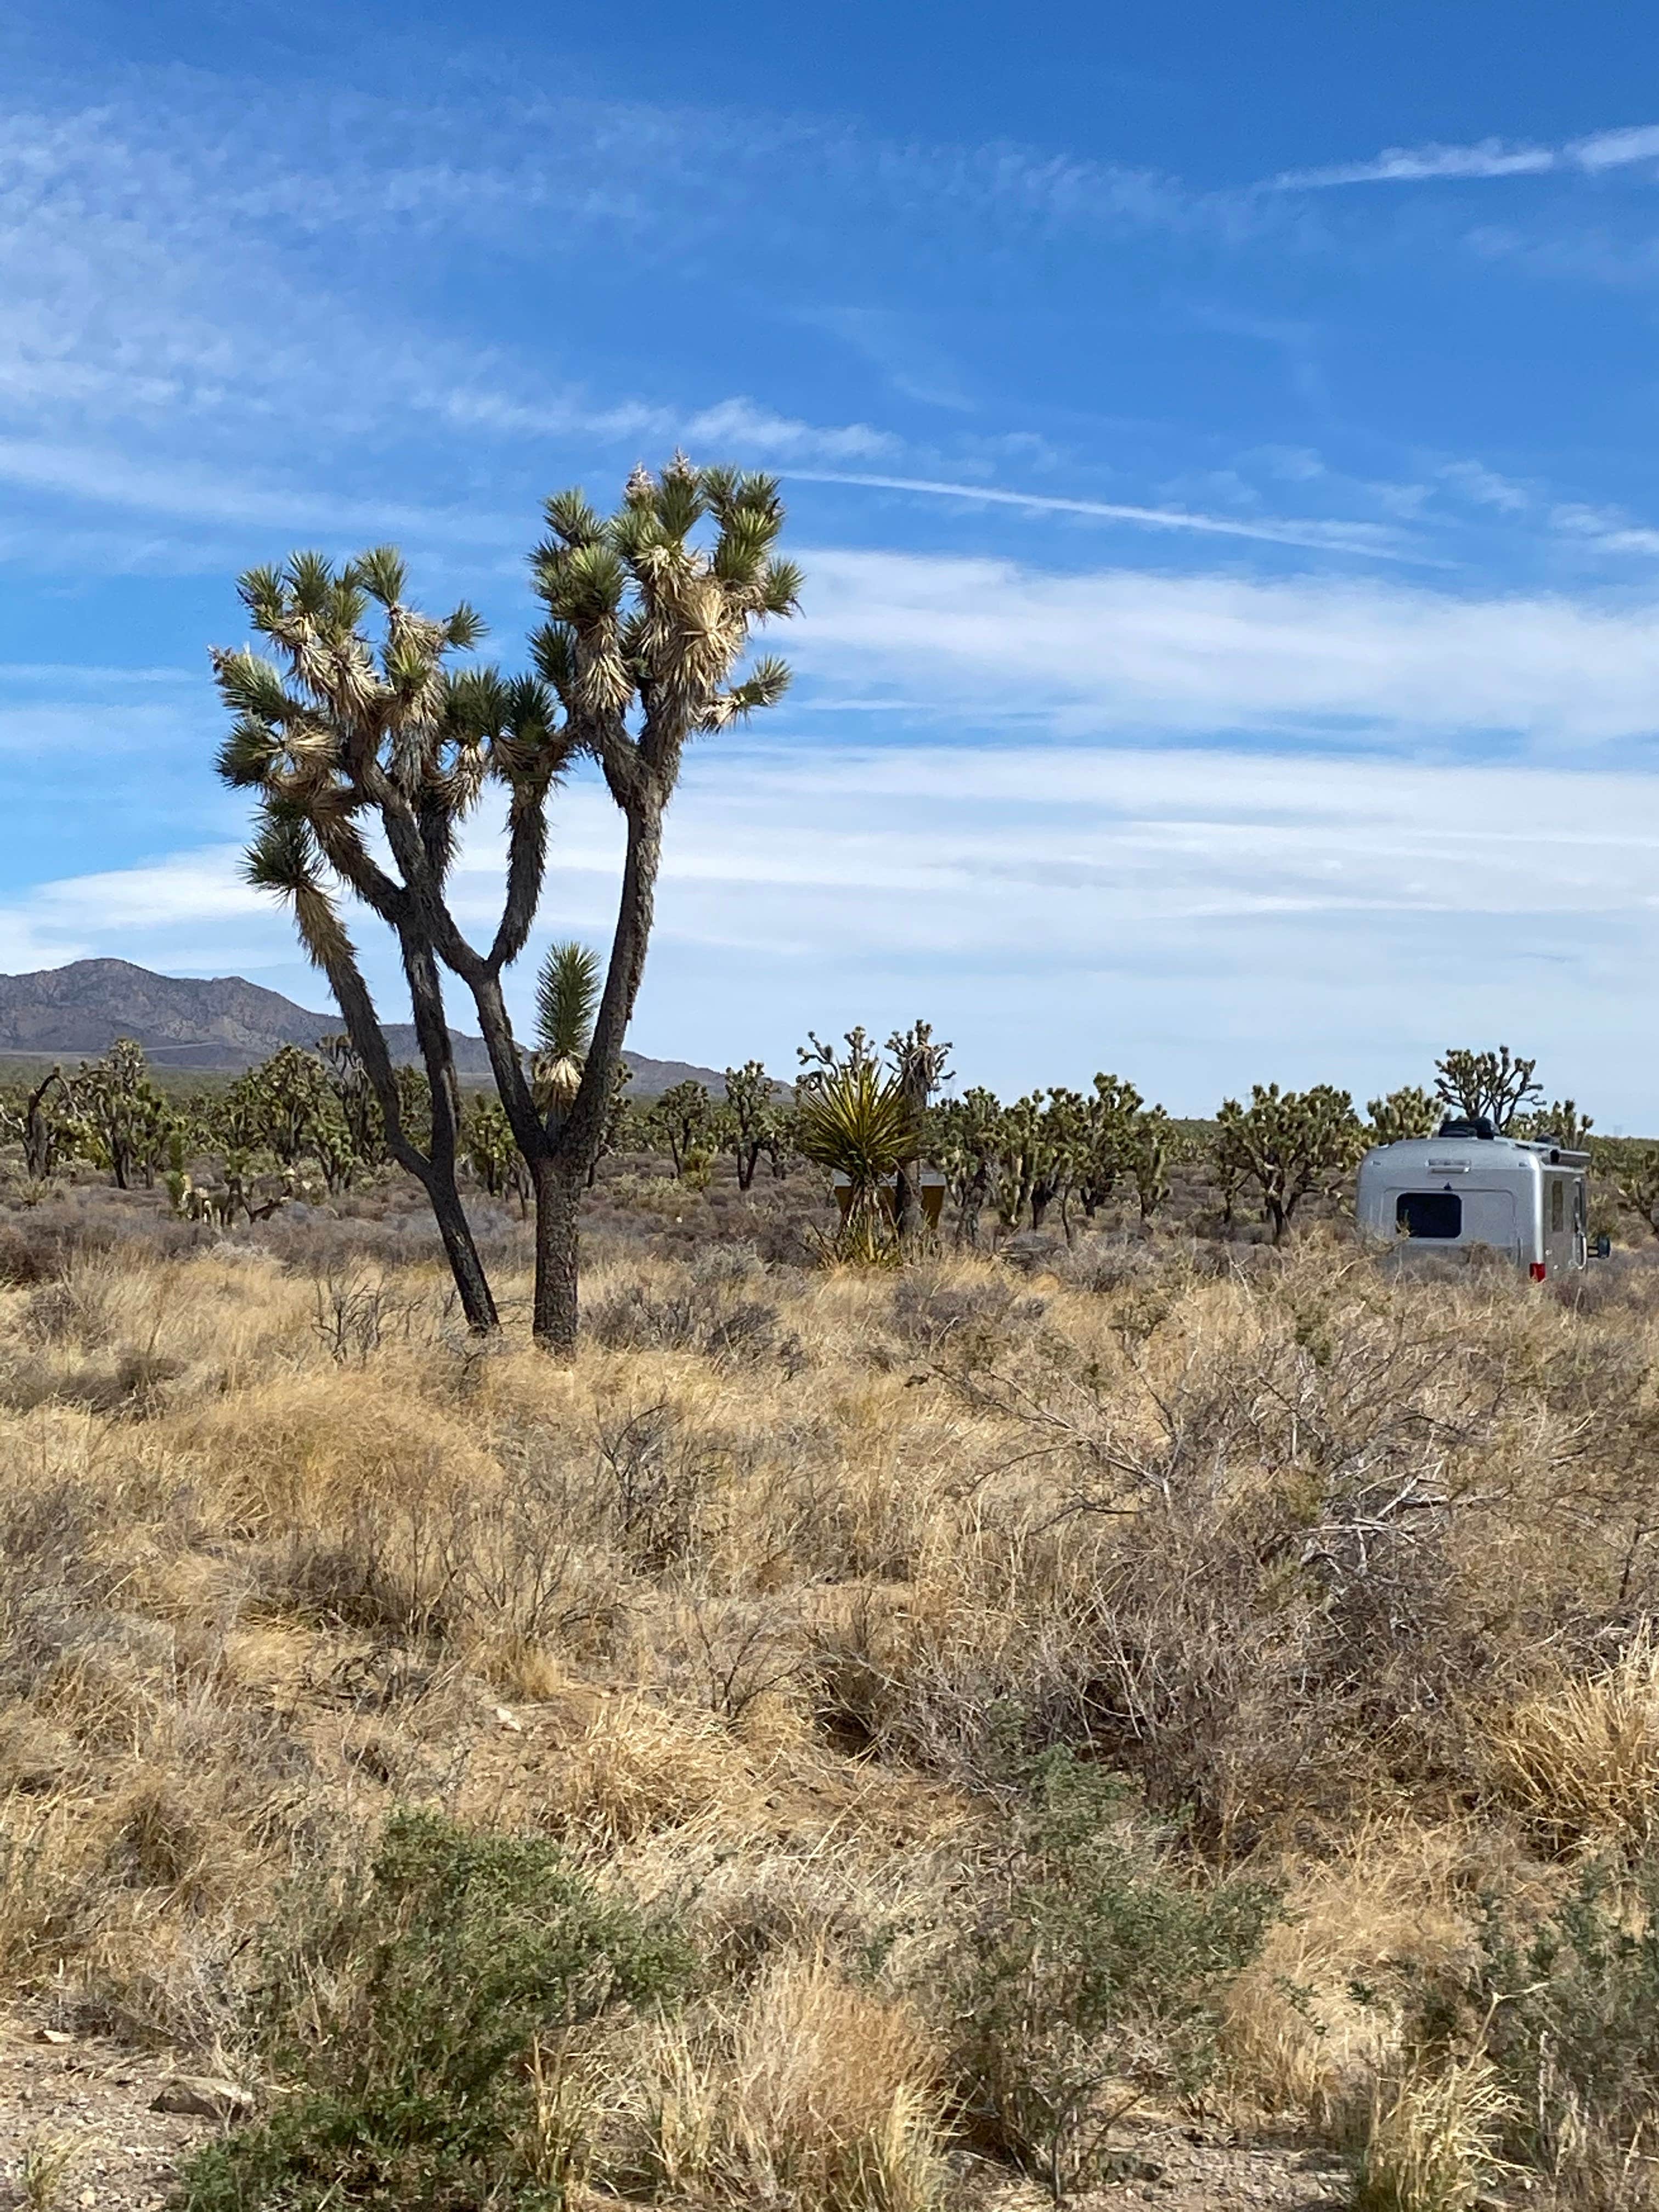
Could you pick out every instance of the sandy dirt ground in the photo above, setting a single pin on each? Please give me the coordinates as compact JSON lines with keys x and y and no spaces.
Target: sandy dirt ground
{"x":80,"y":2112}
{"x":78,"y":2132}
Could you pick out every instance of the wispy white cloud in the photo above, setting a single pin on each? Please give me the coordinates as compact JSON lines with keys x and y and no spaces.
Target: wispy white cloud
{"x":1603,"y":529}
{"x":1487,"y":158}
{"x":1485,"y":486}
{"x":1198,"y":656}
{"x":138,"y":372}
{"x":86,"y":675}
{"x":1376,"y":540}
{"x":107,"y":477}
{"x":136,"y":913}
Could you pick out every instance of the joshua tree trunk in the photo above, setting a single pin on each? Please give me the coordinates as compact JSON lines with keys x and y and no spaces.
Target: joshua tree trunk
{"x":967,"y":1212}
{"x":560,"y":1148}
{"x":435,"y":1173}
{"x":37,"y":1144}
{"x":558,"y":1208}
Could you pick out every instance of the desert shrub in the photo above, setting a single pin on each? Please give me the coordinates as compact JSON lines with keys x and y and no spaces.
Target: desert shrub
{"x":1093,"y":1977}
{"x":967,"y":1322}
{"x":131,"y":1382}
{"x":653,"y":1481}
{"x":421,"y":2027}
{"x":710,"y":1307}
{"x":1560,"y":2016}
{"x":33,"y":1250}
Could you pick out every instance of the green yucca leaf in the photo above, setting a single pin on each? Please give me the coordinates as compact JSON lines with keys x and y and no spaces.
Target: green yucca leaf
{"x":251,"y":685}
{"x":261,"y":590}
{"x":742,"y":547}
{"x":566,"y":998}
{"x":532,"y":710}
{"x":381,"y":572}
{"x":477,"y":701}
{"x":586,"y":585}
{"x":780,"y":587}
{"x":553,"y":649}
{"x":679,"y":502}
{"x":311,"y":582}
{"x":858,"y":1125}
{"x":572,"y":520}
{"x":282,"y":857}
{"x":763,"y":687}
{"x":248,"y":754}
{"x":720,"y":485}
{"x":760,"y":493}
{"x":635,"y":531}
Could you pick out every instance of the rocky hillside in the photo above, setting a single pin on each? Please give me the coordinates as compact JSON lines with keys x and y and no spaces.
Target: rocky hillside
{"x":219,"y":1022}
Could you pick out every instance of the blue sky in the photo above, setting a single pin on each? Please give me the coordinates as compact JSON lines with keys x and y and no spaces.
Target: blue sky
{"x":1220,"y":442}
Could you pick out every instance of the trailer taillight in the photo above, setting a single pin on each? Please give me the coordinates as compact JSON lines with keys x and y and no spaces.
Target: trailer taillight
{"x":1537,"y":1271}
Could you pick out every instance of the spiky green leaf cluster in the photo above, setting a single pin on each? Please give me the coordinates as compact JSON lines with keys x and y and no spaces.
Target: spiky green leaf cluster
{"x":651,"y":609}
{"x":339,"y":714}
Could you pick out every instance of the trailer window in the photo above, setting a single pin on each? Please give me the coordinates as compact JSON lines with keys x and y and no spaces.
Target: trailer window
{"x":1558,"y":1203}
{"x":1429,"y":1213}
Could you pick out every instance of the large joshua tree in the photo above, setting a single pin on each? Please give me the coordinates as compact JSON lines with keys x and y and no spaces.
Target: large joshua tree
{"x":646,"y":628}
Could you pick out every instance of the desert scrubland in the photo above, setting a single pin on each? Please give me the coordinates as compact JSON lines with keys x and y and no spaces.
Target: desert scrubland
{"x":856,"y":1737}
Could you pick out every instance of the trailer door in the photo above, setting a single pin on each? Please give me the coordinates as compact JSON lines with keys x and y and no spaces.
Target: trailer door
{"x":1489,"y":1218}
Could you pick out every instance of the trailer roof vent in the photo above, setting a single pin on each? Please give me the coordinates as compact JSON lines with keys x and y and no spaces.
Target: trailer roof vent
{"x":1470,"y":1125}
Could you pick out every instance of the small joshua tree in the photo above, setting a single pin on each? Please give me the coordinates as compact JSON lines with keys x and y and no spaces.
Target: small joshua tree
{"x":748,"y":1118}
{"x":1289,"y":1144}
{"x":1560,"y":1123}
{"x":1063,"y":1151}
{"x":1111,"y":1117}
{"x":967,"y":1138}
{"x":919,"y":1066}
{"x":1489,"y":1086}
{"x":1149,"y":1149}
{"x":1409,"y":1112}
{"x":683,"y":1117}
{"x":494,"y":1159}
{"x":1636,"y":1182}
{"x":353,"y":1098}
{"x":46,"y":1125}
{"x":123,"y":1119}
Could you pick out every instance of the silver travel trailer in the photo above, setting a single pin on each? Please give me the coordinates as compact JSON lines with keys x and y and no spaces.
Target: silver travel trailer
{"x":1468,"y":1188}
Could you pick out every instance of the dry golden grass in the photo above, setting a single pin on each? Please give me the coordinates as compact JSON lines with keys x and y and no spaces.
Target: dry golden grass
{"x":1311,"y":2025}
{"x":761,"y":1620}
{"x":1582,"y":1761}
{"x":1434,"y":2138}
{"x":811,"y":2090}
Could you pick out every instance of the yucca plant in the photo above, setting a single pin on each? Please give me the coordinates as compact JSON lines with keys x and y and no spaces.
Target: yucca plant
{"x":858,"y":1125}
{"x":566,"y":998}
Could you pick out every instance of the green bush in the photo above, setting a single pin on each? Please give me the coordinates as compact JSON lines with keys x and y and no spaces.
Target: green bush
{"x":1568,"y":2012}
{"x":1094,"y":1976}
{"x":418,"y":2028}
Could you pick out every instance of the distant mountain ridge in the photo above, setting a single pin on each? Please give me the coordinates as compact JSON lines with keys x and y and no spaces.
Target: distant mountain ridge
{"x":216,"y":1024}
